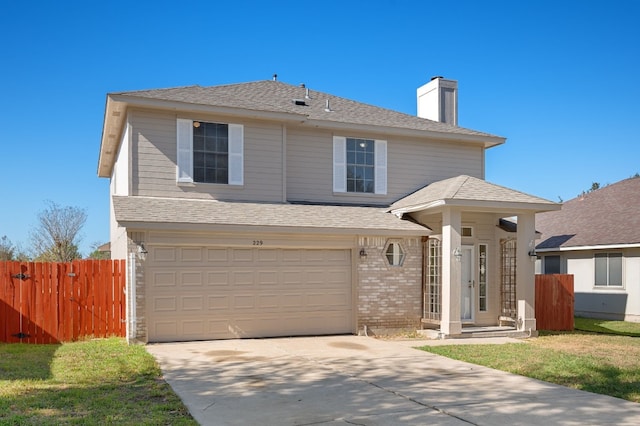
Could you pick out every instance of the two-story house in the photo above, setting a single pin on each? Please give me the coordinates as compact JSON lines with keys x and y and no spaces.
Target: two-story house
{"x":267,"y":209}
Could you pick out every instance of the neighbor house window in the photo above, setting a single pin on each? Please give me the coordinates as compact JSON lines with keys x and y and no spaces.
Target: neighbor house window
{"x":210,"y":152}
{"x":552,"y":264}
{"x":359,"y":165}
{"x":608,"y":268}
{"x":394,"y":254}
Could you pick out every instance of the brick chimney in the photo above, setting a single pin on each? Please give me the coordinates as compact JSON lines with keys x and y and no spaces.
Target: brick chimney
{"x":438,"y":100}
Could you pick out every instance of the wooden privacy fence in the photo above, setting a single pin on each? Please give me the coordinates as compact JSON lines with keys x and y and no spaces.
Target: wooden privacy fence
{"x":60,"y":302}
{"x":554,"y":302}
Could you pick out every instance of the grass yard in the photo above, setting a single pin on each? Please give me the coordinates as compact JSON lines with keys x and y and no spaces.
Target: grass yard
{"x":92,"y":382}
{"x":595,"y":362}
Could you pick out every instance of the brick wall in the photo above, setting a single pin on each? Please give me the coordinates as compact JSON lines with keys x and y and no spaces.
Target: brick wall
{"x":140,"y":334}
{"x":389,"y":296}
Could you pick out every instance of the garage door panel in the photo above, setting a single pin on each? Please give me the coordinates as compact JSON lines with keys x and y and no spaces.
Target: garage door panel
{"x":268,"y":278}
{"x":163,"y":254}
{"x":192,"y":303}
{"x":270,"y":256}
{"x":188,"y":279}
{"x":165,"y":304}
{"x":219,"y":303}
{"x":163,"y":279}
{"x":242,"y":255}
{"x":165,"y":330}
{"x":269,"y":301}
{"x":245,"y":301}
{"x":193,"y":328}
{"x":291,"y":300}
{"x":191,"y":254}
{"x":218,"y":278}
{"x":220,"y":255}
{"x":242,"y":278}
{"x":219,"y":293}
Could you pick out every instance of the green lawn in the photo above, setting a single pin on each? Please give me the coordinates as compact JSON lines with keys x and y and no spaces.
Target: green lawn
{"x":595,"y":362}
{"x":621,"y":328}
{"x":90,"y":383}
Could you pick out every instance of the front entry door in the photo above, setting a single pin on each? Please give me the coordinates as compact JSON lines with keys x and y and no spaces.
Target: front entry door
{"x":467,"y":285}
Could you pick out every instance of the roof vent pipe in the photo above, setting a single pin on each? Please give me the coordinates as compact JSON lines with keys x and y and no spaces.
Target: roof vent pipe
{"x":327,"y":108}
{"x":306,"y":94}
{"x":275,"y":77}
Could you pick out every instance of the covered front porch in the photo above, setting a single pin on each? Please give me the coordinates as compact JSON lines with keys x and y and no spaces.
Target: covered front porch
{"x":478,"y":274}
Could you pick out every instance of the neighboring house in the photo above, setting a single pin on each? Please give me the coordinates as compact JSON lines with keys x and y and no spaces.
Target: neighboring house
{"x":267,"y":209}
{"x":596,"y":237}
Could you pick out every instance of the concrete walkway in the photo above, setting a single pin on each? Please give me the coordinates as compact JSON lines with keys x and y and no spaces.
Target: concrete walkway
{"x":340,"y":380}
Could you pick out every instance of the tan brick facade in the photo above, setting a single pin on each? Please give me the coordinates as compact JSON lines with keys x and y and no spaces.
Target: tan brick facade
{"x":389,"y":297}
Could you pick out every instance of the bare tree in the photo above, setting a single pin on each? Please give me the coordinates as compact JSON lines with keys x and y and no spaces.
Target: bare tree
{"x":56,"y":237}
{"x":7,"y":249}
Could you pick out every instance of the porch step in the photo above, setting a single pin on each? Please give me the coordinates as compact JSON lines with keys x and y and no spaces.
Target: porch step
{"x":496,"y":332}
{"x":480,"y":332}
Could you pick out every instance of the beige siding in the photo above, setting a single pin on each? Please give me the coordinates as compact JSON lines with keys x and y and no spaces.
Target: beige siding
{"x":411,"y":165}
{"x":154,"y":160}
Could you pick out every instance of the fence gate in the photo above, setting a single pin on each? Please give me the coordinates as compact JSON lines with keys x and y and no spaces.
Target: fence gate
{"x":554,"y":302}
{"x":57,"y":302}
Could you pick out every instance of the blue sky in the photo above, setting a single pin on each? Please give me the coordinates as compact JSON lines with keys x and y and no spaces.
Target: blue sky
{"x":558,"y":79}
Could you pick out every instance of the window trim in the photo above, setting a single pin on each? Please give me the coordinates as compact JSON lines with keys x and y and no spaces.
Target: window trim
{"x":184,"y":153}
{"x":340,"y":166}
{"x":545,"y":258}
{"x":399,"y":254}
{"x":483,"y":274}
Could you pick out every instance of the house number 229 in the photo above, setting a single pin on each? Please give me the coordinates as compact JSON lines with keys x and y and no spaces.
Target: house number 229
{"x":258,"y":242}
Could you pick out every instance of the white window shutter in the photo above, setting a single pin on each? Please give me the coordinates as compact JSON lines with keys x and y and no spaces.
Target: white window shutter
{"x":381,"y":167}
{"x":339,"y":164}
{"x":236,"y":154}
{"x":184,"y":167}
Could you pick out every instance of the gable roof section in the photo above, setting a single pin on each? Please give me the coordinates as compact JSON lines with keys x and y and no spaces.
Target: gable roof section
{"x":278,"y":97}
{"x":275,"y":100}
{"x":605,"y":217}
{"x":468,"y":191}
{"x":173,"y":213}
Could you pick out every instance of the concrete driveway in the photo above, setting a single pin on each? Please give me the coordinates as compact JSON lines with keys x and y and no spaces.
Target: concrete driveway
{"x":339,"y":380}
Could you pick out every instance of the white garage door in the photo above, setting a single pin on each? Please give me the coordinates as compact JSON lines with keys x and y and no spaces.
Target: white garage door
{"x":199,"y":293}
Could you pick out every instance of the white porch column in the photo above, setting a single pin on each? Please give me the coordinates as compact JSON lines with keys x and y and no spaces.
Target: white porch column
{"x":450,"y":323}
{"x":525,"y":272}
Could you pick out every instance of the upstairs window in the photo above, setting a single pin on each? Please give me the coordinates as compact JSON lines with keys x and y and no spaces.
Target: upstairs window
{"x":608,"y":268}
{"x":210,"y":152}
{"x":359,"y":165}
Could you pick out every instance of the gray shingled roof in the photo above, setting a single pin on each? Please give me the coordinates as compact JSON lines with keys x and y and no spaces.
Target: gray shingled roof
{"x":461,"y":189}
{"x":607,"y":216}
{"x":275,"y":96}
{"x":174,"y":211}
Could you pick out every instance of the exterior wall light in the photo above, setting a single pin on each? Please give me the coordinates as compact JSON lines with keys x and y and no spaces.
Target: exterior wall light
{"x":142,"y":251}
{"x":457,"y":253}
{"x":532,"y":251}
{"x":363,"y":254}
